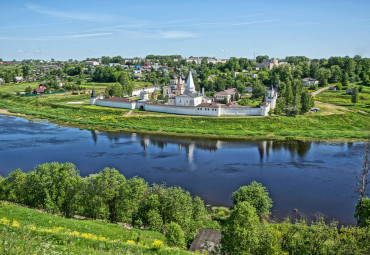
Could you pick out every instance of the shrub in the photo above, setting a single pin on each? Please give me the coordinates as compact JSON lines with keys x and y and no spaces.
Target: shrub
{"x":175,"y":235}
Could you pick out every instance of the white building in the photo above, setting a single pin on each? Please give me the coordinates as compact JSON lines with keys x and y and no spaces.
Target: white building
{"x":309,"y":82}
{"x":92,"y":63}
{"x":18,"y":79}
{"x":225,"y":94}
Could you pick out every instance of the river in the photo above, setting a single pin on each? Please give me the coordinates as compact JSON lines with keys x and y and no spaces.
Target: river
{"x":317,"y":178}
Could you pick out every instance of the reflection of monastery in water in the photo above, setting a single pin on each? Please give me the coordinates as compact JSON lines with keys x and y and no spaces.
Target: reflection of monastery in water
{"x":189,"y":145}
{"x":184,"y":99}
{"x":294,"y":147}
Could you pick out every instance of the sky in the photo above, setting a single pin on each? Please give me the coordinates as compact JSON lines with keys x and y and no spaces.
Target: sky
{"x":74,"y":29}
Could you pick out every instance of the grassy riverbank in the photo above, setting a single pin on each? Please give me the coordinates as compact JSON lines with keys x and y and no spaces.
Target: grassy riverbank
{"x":327,"y":124}
{"x":28,"y":231}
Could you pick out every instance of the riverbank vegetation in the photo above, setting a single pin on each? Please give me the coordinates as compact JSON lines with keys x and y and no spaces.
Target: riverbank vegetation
{"x":324,"y":125}
{"x":151,"y":218}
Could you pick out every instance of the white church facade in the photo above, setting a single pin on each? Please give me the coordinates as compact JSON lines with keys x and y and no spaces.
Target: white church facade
{"x":189,"y":102}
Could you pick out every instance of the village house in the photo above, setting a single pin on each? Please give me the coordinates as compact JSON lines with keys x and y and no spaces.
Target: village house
{"x":18,"y":79}
{"x":2,"y":80}
{"x":39,"y":90}
{"x":309,"y":82}
{"x":225,"y":94}
{"x":92,"y":63}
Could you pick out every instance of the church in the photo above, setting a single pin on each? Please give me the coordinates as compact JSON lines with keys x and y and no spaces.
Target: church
{"x":189,"y":97}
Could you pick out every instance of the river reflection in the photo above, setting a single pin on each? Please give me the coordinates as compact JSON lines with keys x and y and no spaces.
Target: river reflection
{"x":310,"y":176}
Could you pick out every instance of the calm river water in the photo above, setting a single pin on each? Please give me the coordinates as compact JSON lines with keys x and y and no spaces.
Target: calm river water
{"x":316,"y":178}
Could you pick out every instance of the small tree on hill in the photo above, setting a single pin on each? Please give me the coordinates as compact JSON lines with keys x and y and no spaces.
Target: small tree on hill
{"x":355,"y":95}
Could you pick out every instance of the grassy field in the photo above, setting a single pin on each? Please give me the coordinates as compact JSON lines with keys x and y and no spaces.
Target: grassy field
{"x":328,"y":124}
{"x":28,"y":231}
{"x":339,"y":97}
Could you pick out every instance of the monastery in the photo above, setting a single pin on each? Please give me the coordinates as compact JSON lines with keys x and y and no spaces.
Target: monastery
{"x":184,"y":99}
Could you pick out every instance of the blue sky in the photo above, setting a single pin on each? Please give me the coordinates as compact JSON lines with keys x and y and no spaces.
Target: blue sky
{"x":80,"y":29}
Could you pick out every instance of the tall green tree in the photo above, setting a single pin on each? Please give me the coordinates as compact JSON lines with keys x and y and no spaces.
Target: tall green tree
{"x":240,"y":235}
{"x":127,"y":85}
{"x":110,"y":185}
{"x":355,"y":93}
{"x":255,"y":194}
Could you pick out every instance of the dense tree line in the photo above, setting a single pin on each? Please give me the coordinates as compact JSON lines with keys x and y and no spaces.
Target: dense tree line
{"x":59,"y":188}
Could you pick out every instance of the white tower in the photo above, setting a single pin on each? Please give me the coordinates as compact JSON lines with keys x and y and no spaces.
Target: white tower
{"x":190,"y":87}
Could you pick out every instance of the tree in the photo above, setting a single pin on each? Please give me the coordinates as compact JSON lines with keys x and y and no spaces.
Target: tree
{"x":260,"y":59}
{"x":154,"y":220}
{"x":25,"y":70}
{"x":362,"y":212}
{"x":289,"y":97}
{"x":280,"y":105}
{"x":255,"y":194}
{"x":355,"y":93}
{"x":237,"y":97}
{"x":339,"y":86}
{"x":175,"y":235}
{"x":114,"y":90}
{"x":240,"y":235}
{"x":225,"y":100}
{"x":126,"y":84}
{"x":109,"y":186}
{"x":361,"y":187}
{"x":258,"y":89}
{"x":345,"y":79}
{"x":307,"y":102}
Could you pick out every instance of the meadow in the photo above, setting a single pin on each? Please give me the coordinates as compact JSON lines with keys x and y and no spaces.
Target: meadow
{"x":29,"y":231}
{"x":339,"y":97}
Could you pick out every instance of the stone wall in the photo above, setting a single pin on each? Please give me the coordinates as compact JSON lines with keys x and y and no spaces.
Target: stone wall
{"x":116,"y":104}
{"x":183,"y":110}
{"x":247,"y":111}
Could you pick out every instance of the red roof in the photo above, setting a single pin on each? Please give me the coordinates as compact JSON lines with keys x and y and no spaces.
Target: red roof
{"x":118,"y":99}
{"x":39,"y":90}
{"x":231,"y":91}
{"x":214,"y":105}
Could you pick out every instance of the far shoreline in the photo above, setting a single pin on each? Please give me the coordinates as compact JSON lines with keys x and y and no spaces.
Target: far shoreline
{"x":6,"y":112}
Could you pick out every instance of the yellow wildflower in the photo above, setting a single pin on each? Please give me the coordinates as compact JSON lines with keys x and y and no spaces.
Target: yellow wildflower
{"x":157,"y":244}
{"x":74,"y":233}
{"x":15,"y":224}
{"x":130,"y":242}
{"x":102,"y":238}
{"x":4,"y":221}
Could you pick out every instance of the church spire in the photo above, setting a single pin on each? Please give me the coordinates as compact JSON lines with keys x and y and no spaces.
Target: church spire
{"x":190,"y":87}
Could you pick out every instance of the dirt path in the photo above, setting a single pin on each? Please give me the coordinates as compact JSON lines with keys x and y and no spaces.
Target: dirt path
{"x":318,"y":91}
{"x":6,"y":112}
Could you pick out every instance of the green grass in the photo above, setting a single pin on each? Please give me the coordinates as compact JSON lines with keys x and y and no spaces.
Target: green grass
{"x":17,"y":87}
{"x":28,"y":231}
{"x":339,"y":97}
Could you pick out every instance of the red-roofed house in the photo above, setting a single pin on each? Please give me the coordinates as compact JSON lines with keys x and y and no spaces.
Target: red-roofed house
{"x":227,"y":93}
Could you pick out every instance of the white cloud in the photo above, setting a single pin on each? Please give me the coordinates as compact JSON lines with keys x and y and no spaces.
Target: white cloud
{"x":68,"y":15}
{"x":176,"y":34}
